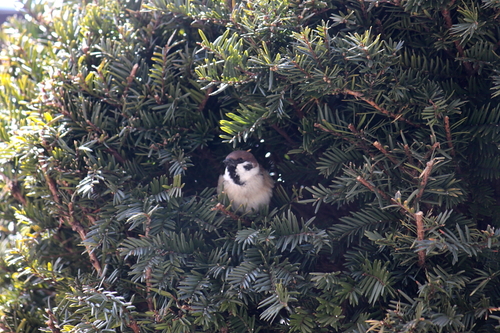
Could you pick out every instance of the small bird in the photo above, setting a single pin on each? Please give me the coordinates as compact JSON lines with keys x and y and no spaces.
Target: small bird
{"x":245,"y":182}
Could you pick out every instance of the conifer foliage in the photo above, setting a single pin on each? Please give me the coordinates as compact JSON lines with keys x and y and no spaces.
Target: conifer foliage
{"x":379,"y":121}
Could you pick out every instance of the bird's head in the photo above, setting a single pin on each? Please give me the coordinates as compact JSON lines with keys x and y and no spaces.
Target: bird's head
{"x":241,"y":166}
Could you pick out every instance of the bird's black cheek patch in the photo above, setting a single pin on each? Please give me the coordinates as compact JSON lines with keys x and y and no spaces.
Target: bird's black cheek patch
{"x":248,"y":166}
{"x":234,"y":176}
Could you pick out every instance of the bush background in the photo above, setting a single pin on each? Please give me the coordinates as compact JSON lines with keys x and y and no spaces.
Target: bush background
{"x":378,"y":119}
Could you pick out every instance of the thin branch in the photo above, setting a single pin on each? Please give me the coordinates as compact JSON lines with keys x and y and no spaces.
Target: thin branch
{"x":295,"y":107}
{"x":130,"y":79}
{"x":408,"y":154}
{"x":148,"y":225}
{"x":203,"y":103}
{"x":372,"y":188}
{"x":115,"y":154}
{"x":324,"y":129}
{"x":133,"y":325}
{"x":378,"y":107}
{"x":379,"y":146}
{"x":420,"y":236}
{"x":448,"y":134}
{"x":425,"y":177}
{"x":362,"y":142}
{"x":430,"y":153}
{"x":149,"y":299}
{"x":52,"y":322}
{"x":411,"y":161}
{"x":13,"y":186}
{"x":284,"y":135}
{"x":78,"y":227}
{"x":50,"y":182}
{"x":221,"y":208}
{"x":449,"y":24}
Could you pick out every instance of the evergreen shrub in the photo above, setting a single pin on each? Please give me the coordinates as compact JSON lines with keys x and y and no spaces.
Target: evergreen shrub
{"x":379,"y":121}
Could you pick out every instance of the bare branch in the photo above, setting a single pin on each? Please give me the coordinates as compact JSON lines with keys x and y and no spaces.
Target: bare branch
{"x":378,"y":107}
{"x":425,"y":177}
{"x":420,"y":236}
{"x":448,"y":134}
{"x":372,"y":188}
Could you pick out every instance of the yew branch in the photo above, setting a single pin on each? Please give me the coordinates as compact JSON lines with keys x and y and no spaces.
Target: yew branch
{"x":448,"y":134}
{"x":377,"y":107}
{"x":420,"y":236}
{"x":78,"y":227}
{"x":372,"y":188}
{"x":425,"y":177}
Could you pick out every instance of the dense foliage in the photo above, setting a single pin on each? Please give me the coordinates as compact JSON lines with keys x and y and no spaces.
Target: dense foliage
{"x":379,"y":121}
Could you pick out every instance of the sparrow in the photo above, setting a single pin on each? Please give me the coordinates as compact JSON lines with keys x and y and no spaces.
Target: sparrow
{"x":245,"y":182}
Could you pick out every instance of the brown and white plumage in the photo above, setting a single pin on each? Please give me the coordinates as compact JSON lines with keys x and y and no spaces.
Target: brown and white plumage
{"x":245,"y":182}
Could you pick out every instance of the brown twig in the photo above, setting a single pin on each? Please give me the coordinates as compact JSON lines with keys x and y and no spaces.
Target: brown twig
{"x":430,"y":153}
{"x":148,"y":225}
{"x":324,"y":129}
{"x":78,"y":227}
{"x":448,"y":134}
{"x":51,"y":322}
{"x":149,"y":300}
{"x":425,"y":177}
{"x":372,"y":188}
{"x":13,"y":186}
{"x":16,"y":192}
{"x":408,"y":154}
{"x":115,"y":154}
{"x":296,"y":108}
{"x":130,"y":79}
{"x":133,"y":325}
{"x":420,"y":236}
{"x":411,"y":161}
{"x":449,"y":24}
{"x":379,"y":146}
{"x":220,"y":207}
{"x":50,"y":182}
{"x":203,"y":103}
{"x":362,"y":142}
{"x":284,"y":135}
{"x":378,"y":107}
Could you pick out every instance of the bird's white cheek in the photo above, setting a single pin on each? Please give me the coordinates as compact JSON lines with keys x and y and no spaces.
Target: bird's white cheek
{"x":246,"y":175}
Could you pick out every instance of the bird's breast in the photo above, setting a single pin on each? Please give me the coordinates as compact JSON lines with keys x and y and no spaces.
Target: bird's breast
{"x":252,"y":193}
